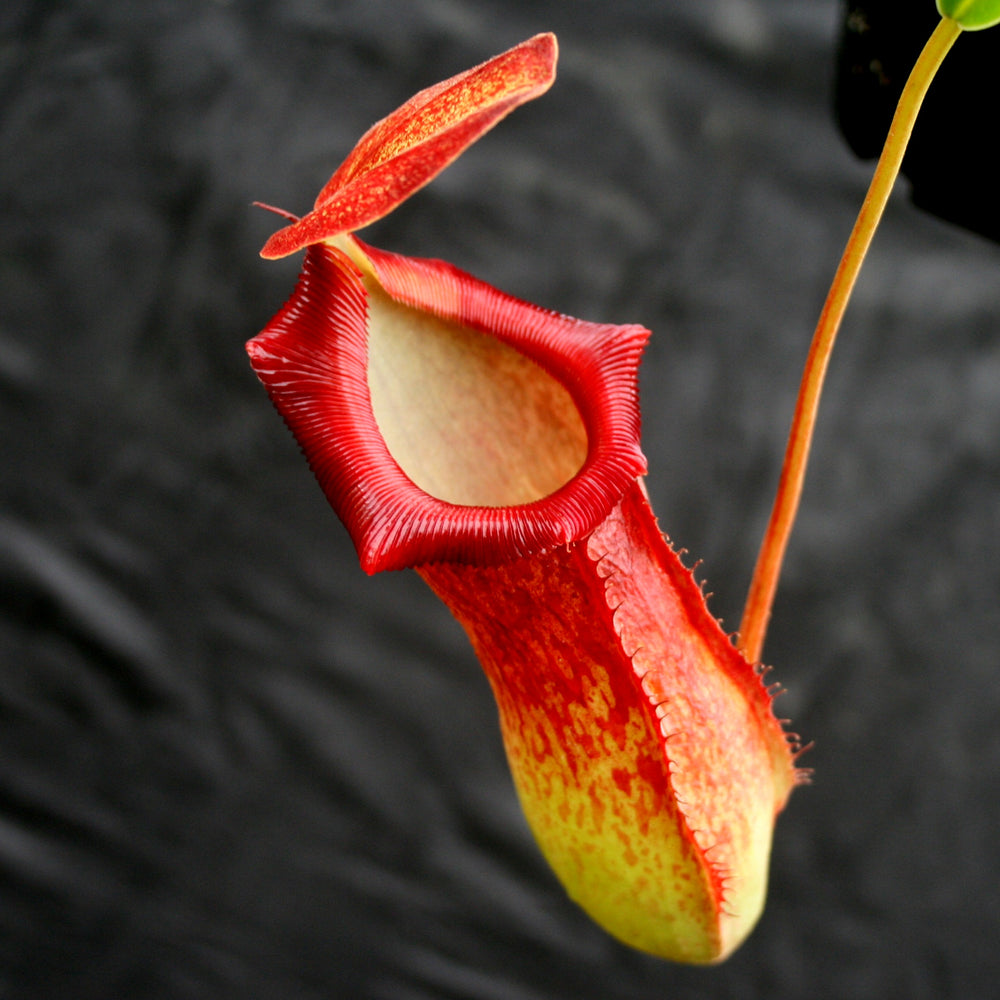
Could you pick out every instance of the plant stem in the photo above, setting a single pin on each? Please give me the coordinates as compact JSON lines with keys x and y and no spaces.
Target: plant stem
{"x":760,"y":598}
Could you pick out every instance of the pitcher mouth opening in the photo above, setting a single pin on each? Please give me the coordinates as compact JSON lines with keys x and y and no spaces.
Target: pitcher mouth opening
{"x":470,"y":420}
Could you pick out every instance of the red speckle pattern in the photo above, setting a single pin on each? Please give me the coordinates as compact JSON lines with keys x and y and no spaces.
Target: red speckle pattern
{"x":407,"y":149}
{"x":660,"y":830}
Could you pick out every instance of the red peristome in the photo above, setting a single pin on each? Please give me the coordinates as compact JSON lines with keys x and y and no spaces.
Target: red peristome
{"x":643,"y":746}
{"x":312,"y":357}
{"x":407,"y":149}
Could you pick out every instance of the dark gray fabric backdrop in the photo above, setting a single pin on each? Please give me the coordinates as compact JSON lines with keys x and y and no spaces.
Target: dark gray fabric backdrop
{"x":233,"y":766}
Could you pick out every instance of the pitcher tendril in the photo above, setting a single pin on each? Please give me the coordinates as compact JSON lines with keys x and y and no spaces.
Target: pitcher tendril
{"x":764,"y":583}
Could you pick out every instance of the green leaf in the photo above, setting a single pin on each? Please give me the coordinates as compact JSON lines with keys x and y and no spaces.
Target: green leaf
{"x":972,"y":15}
